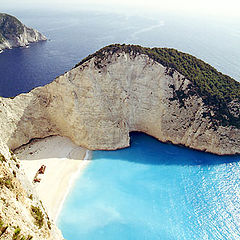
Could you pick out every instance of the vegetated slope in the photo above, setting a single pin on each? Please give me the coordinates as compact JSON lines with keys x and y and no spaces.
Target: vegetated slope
{"x":13,"y":33}
{"x":9,"y":25}
{"x":216,"y":89}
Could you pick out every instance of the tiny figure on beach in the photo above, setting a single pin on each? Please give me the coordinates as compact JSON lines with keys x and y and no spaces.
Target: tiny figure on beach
{"x":42,"y":169}
{"x":35,"y":180}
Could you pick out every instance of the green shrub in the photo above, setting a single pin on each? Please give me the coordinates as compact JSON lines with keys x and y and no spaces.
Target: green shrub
{"x":16,"y":233}
{"x":2,"y":158}
{"x":1,"y":223}
{"x":38,"y":215}
{"x":3,"y":227}
{"x":11,"y":152}
{"x":7,"y":182}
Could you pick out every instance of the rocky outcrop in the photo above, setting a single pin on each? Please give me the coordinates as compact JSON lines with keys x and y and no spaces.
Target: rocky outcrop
{"x":22,"y":215}
{"x":100,"y":101}
{"x":15,"y":34}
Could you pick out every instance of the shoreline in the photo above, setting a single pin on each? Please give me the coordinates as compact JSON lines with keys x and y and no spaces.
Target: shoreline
{"x":64,"y":163}
{"x":72,"y":182}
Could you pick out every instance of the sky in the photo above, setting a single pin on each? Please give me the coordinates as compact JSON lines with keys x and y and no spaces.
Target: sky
{"x":228,"y":8}
{"x":223,"y":8}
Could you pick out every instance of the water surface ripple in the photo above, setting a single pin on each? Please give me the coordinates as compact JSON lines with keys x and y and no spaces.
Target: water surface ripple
{"x":155,"y":191}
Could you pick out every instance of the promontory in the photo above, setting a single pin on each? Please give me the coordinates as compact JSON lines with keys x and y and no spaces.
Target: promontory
{"x":167,"y":94}
{"x":15,"y":34}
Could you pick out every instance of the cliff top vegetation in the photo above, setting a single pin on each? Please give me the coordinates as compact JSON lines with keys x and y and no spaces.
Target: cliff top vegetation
{"x":9,"y":25}
{"x":211,"y":82}
{"x":215,"y":88}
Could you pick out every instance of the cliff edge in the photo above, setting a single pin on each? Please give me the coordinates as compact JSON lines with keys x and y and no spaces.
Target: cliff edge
{"x":15,"y":34}
{"x":22,"y":214}
{"x":167,"y":94}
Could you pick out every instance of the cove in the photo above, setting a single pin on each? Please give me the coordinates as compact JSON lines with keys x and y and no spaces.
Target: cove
{"x":153,"y":190}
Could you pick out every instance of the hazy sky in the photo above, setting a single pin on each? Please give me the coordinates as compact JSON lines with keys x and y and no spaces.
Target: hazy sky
{"x":212,"y":7}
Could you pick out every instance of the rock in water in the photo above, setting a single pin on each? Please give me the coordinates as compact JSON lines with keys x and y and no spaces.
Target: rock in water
{"x":15,"y":34}
{"x":167,"y":94}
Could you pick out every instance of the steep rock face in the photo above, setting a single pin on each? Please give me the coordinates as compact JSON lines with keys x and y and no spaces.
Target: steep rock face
{"x":22,"y":215}
{"x":100,"y":101}
{"x":15,"y":34}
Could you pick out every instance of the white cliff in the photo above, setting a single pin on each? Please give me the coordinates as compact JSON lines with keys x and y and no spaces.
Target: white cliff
{"x":98,"y":107}
{"x":15,"y":34}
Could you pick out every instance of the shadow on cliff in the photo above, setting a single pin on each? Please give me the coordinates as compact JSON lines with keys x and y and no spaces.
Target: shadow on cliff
{"x":34,"y":122}
{"x":144,"y":148}
{"x":148,"y":150}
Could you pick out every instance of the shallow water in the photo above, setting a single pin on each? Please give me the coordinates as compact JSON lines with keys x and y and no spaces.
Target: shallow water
{"x":154,"y":191}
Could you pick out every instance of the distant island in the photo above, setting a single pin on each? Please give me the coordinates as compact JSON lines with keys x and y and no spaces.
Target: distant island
{"x":13,"y":33}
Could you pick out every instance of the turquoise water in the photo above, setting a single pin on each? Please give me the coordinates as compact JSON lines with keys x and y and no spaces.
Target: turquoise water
{"x":154,"y":191}
{"x":151,"y":190}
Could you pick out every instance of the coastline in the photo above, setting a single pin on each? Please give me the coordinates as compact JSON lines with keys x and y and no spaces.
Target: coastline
{"x":64,"y":163}
{"x":71,"y":183}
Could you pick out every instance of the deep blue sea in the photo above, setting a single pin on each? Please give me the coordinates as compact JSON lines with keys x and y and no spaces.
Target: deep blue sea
{"x":150,"y":191}
{"x":73,"y":36}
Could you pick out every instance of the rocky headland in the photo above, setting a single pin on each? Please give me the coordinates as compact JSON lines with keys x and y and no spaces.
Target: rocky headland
{"x":15,"y":34}
{"x":165,"y":93}
{"x":122,"y":89}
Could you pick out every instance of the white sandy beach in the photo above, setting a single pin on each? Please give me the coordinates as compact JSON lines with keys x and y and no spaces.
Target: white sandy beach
{"x":64,"y":162}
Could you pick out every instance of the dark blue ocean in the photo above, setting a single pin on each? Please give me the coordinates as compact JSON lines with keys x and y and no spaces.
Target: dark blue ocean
{"x":76,"y":35}
{"x":150,"y":191}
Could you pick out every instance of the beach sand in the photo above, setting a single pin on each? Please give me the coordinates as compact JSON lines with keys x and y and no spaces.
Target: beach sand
{"x":64,"y":162}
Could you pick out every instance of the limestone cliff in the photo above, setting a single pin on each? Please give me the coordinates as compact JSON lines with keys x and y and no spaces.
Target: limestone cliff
{"x":15,"y":34}
{"x":22,"y":215}
{"x":108,"y":95}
